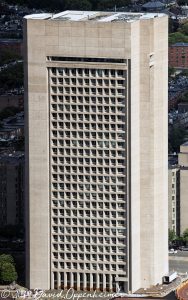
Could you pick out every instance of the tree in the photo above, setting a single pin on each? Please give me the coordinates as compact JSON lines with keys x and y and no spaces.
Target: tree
{"x":7,"y":56}
{"x":184,"y":72}
{"x":171,"y":235}
{"x":177,"y":135}
{"x":110,"y":4}
{"x":184,"y":97}
{"x":77,"y":4}
{"x":184,"y":28}
{"x":182,"y":2}
{"x":6,"y":258}
{"x":177,"y":37}
{"x":171,"y":71}
{"x":12,"y":77}
{"x":8,"y":112}
{"x":185,"y":234}
{"x":8,"y":273}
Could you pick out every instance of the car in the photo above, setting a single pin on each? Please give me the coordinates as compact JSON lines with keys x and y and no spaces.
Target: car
{"x":183,"y":248}
{"x":172,"y":251}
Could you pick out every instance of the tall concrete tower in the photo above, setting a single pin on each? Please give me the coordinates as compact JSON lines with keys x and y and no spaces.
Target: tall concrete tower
{"x":96,"y":150}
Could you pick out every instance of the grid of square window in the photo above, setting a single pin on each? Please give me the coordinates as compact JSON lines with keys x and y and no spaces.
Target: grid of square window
{"x":88,"y":170}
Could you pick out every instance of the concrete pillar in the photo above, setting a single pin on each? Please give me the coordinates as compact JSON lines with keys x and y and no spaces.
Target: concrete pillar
{"x":91,"y":282}
{"x":65,"y":281}
{"x":78,"y":281}
{"x":111,"y":284}
{"x":52,"y":281}
{"x":97,"y":282}
{"x":71,"y":280}
{"x":85,"y":283}
{"x":58,"y":280}
{"x":104,"y":282}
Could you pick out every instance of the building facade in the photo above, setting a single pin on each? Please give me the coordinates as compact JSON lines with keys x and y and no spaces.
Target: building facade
{"x":174,"y":198}
{"x":183,"y":163}
{"x":178,"y":55}
{"x":12,"y":189}
{"x":96,"y":150}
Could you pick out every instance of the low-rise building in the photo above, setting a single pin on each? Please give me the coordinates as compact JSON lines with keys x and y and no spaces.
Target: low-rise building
{"x":178,"y":55}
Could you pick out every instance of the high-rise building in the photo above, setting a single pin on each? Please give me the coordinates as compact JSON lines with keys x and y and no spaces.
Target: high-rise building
{"x":96,"y":150}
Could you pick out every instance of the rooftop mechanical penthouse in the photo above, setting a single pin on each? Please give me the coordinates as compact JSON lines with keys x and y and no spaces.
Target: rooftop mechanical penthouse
{"x":96,"y":150}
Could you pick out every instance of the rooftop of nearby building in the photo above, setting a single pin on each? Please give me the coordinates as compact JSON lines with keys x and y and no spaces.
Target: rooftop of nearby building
{"x":180,"y":45}
{"x":185,"y":144}
{"x":10,"y":41}
{"x":94,"y":16}
{"x":154,"y":4}
{"x":12,"y":157}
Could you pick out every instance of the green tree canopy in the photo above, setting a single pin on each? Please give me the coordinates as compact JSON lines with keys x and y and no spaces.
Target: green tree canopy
{"x":184,"y":28}
{"x":12,"y":77}
{"x":182,"y":2}
{"x":6,"y":258}
{"x":171,"y":71}
{"x":184,"y":97}
{"x":8,"y":112}
{"x":171,"y":235}
{"x":8,"y":273}
{"x":7,"y":56}
{"x":177,"y":135}
{"x":185,"y":234}
{"x":177,"y":37}
{"x":77,"y":4}
{"x":110,"y":4}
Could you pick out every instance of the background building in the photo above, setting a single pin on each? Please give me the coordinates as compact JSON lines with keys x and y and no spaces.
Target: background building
{"x":11,"y":189}
{"x":178,"y":191}
{"x":12,"y":45}
{"x":174,"y":198}
{"x":178,"y":55}
{"x":183,"y":163}
{"x":96,"y":150}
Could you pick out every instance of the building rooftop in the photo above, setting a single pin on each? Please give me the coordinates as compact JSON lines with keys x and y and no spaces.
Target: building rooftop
{"x":12,"y":157}
{"x":185,"y":144}
{"x":180,"y":45}
{"x":154,"y":5}
{"x":94,"y":16}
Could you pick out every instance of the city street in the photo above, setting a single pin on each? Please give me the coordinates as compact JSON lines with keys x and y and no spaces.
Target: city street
{"x":179,"y":262}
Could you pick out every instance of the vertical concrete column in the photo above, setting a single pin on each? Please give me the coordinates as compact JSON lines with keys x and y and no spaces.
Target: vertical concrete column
{"x":52,"y":280}
{"x":117,"y":287}
{"x":91,"y":282}
{"x":58,"y":280}
{"x":78,"y":281}
{"x":111,"y":286}
{"x":85,"y":282}
{"x":97,"y":282}
{"x":71,"y":280}
{"x":104,"y":282}
{"x":65,"y":281}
